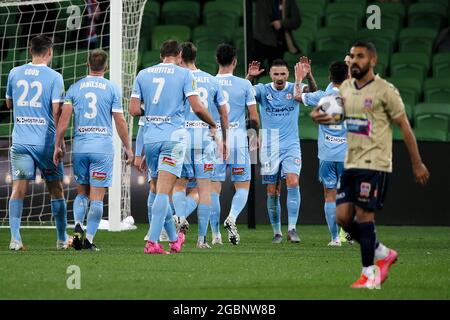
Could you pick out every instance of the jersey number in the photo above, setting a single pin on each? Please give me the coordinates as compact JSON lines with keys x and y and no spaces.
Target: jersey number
{"x":203,"y":95}
{"x":26,"y":87}
{"x":226,"y":96}
{"x":92,"y":105}
{"x":160,"y":82}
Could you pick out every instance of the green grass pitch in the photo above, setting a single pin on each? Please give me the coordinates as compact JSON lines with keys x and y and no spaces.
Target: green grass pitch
{"x":255,"y":269}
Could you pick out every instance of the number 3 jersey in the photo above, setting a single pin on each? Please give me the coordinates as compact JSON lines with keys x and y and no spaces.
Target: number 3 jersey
{"x":33,"y":88}
{"x":94,"y":99}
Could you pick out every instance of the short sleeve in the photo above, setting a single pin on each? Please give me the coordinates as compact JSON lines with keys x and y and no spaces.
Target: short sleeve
{"x":258,"y":89}
{"x":136,"y":93}
{"x":311,"y":99}
{"x":9,"y":92}
{"x":117,"y":100}
{"x":69,"y":96}
{"x":249,"y":94}
{"x":190,"y":85}
{"x":394,"y":103}
{"x":58,"y":89}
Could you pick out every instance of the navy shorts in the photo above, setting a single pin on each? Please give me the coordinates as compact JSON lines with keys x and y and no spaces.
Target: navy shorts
{"x":364,"y":188}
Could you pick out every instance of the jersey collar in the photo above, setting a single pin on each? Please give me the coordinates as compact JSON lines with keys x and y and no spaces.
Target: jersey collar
{"x":224,"y":75}
{"x":273,"y":86}
{"x":38,"y":65}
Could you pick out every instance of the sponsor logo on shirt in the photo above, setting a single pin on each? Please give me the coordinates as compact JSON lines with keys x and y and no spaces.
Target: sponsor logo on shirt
{"x":208,"y":167}
{"x":31,"y":120}
{"x":99,"y":175}
{"x":169,"y":161}
{"x":238,"y":171}
{"x":158,"y":119}
{"x":335,"y":140}
{"x":195,"y":124}
{"x":271,"y":111}
{"x":359,"y":126}
{"x":92,"y":129}
{"x":364,"y":189}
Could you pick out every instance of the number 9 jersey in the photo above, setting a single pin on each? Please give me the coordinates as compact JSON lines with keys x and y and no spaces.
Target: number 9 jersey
{"x":33,"y":88}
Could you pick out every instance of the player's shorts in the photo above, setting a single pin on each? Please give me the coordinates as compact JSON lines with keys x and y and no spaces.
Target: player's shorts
{"x":199,"y":163}
{"x":165,"y":156}
{"x":275,"y":165}
{"x":26,"y":158}
{"x":94,"y":169}
{"x":330,"y":173}
{"x":192,"y":183}
{"x":239,"y":164}
{"x":365,"y":188}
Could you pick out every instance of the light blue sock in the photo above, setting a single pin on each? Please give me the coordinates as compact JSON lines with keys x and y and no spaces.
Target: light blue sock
{"x":179,"y":202}
{"x":150,"y":199}
{"x":215,"y":212}
{"x":93,"y":219}
{"x":274,"y":213}
{"x":159,"y":211}
{"x":15,"y":216}
{"x":59,"y":211}
{"x":330,"y":216}
{"x":169,"y":225}
{"x":191,"y":205}
{"x":293,"y":206}
{"x":238,"y":203}
{"x":80,"y":206}
{"x":203,"y":213}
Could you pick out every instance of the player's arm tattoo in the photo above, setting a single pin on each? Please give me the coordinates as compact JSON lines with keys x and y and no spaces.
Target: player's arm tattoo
{"x":298,"y":91}
{"x":312,"y":85}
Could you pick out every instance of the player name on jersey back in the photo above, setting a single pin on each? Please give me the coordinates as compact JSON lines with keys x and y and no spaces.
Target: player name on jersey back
{"x":93,"y":84}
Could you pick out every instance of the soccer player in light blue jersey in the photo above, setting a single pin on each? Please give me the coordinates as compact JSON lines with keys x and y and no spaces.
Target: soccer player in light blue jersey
{"x":239,"y":98}
{"x":280,"y":146}
{"x":94,"y":101}
{"x":201,"y":147}
{"x":36,"y":93}
{"x":332,"y":145}
{"x":163,"y":89}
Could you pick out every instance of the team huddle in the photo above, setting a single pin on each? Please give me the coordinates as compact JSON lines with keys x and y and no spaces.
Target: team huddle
{"x":193,"y":127}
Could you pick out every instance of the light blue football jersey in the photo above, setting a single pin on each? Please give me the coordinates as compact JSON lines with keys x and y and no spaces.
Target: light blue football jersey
{"x":94,"y":99}
{"x":238,"y":94}
{"x":279,"y":113}
{"x":163,"y":89}
{"x":211,"y":95}
{"x":332,"y":141}
{"x":33,"y":88}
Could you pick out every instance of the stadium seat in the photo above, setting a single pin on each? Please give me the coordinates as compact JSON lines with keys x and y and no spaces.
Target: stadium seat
{"x":427,"y":15}
{"x":222,"y":14}
{"x":417,"y":40}
{"x":429,"y":134}
{"x":334,"y":38}
{"x":444,"y":3}
{"x":410,"y":89}
{"x":208,"y":37}
{"x":311,"y":8}
{"x":208,"y":66}
{"x":413,"y":65}
{"x":150,"y":16}
{"x":437,"y":90}
{"x":180,"y":13}
{"x":304,"y":37}
{"x":324,"y":58}
{"x":441,"y":65}
{"x":391,"y":8}
{"x":382,"y":64}
{"x":291,"y":59}
{"x":321,"y":81}
{"x":150,"y":58}
{"x":344,"y":15}
{"x":312,"y":21}
{"x":434,"y":116}
{"x":384,"y":40}
{"x":301,"y":3}
{"x":165,"y":32}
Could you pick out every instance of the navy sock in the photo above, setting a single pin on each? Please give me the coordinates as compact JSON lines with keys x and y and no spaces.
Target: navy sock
{"x":367,"y":242}
{"x":353,"y":230}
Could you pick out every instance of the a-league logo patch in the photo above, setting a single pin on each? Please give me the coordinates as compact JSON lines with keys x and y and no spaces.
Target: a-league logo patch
{"x":99,"y":175}
{"x":208,"y":167}
{"x":239,"y":171}
{"x":169,"y":161}
{"x":269,"y":97}
{"x":364,"y":189}
{"x":368,"y":103}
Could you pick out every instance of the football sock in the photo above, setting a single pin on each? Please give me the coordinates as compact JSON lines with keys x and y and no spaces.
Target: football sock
{"x":274,"y":214}
{"x":293,"y":206}
{"x":59,"y":211}
{"x":93,"y":219}
{"x":169,"y":225}
{"x":367,"y":242}
{"x":179,"y":202}
{"x":80,"y":206}
{"x":191,"y":204}
{"x":330,"y":216}
{"x":159,"y":212}
{"x":150,"y":200}
{"x":238,"y":203}
{"x":215,"y":212}
{"x":381,"y":251}
{"x":353,"y":230}
{"x":203,"y":213}
{"x":15,"y":216}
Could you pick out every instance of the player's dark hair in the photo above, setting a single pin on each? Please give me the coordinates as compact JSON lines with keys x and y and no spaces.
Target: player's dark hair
{"x":40,"y":44}
{"x":368,"y":45}
{"x":225,"y":54}
{"x":188,"y":52}
{"x":279,"y":63}
{"x":98,"y":60}
{"x":170,"y":48}
{"x":338,"y":71}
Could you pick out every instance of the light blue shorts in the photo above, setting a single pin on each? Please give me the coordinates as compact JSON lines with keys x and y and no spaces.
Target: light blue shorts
{"x":165,"y":156}
{"x":26,"y":158}
{"x":239,"y":164}
{"x":330,"y":173}
{"x":199,"y":163}
{"x":94,"y":169}
{"x":275,"y":165}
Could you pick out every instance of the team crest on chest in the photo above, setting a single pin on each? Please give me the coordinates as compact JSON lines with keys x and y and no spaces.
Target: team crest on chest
{"x":368,"y":103}
{"x":289,"y":96}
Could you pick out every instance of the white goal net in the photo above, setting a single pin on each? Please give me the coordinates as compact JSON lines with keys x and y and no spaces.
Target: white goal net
{"x":76,"y":27}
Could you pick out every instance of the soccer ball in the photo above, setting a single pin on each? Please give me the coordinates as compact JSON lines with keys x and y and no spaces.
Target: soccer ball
{"x":334,"y":106}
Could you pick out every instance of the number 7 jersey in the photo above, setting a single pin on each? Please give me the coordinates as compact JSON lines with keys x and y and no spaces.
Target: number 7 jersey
{"x":33,"y":88}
